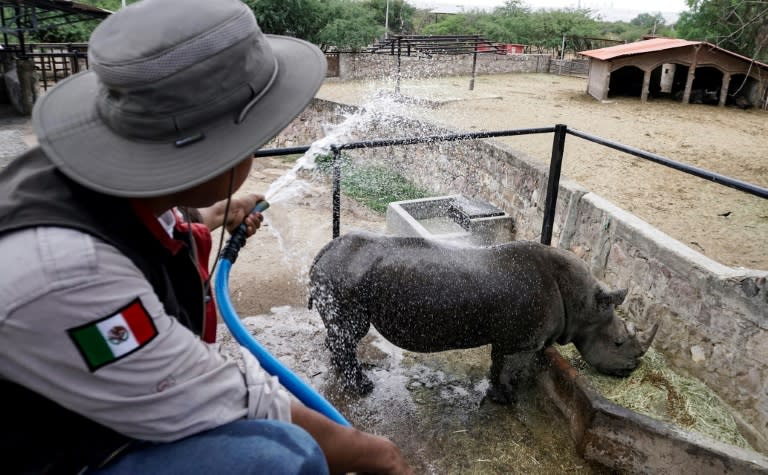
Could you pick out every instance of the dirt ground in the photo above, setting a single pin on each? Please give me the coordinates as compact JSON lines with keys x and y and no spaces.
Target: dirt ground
{"x":726,"y":225}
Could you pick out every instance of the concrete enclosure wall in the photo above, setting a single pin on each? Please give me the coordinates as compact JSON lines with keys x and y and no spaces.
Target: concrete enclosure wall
{"x":355,"y":66}
{"x":714,"y":319}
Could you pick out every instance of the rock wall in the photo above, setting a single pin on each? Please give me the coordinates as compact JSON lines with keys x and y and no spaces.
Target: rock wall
{"x":714,"y":319}
{"x":353,"y":66}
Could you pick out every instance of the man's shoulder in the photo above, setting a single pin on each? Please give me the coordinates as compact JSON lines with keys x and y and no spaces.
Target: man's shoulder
{"x":37,"y":261}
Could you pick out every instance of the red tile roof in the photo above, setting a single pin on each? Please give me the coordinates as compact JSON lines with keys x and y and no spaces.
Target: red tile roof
{"x":638,"y":47}
{"x":657,"y":44}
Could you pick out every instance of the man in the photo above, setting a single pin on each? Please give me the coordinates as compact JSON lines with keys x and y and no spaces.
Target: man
{"x":103,"y":367}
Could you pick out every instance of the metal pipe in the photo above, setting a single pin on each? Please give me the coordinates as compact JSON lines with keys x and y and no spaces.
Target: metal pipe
{"x":690,"y":169}
{"x":336,"y":191}
{"x":276,"y":152}
{"x":399,"y":52}
{"x":474,"y":66}
{"x":553,"y":183}
{"x":443,"y":138}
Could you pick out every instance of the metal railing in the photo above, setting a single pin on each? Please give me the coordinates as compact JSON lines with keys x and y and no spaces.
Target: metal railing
{"x":555,"y":165}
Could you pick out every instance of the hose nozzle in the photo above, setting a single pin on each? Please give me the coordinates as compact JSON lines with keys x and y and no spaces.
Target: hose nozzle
{"x":237,"y":240}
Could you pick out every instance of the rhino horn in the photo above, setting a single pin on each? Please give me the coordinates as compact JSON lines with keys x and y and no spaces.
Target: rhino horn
{"x":631,"y":330}
{"x":645,"y":338}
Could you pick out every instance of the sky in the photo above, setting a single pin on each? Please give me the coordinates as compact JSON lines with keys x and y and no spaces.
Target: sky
{"x":611,"y":10}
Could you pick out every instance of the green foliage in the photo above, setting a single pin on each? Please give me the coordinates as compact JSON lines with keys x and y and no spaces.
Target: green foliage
{"x":467,"y":24}
{"x":344,"y":24}
{"x":741,"y":27}
{"x":298,"y":18}
{"x":350,"y":26}
{"x":75,"y":32}
{"x":634,"y":30}
{"x":516,"y":23}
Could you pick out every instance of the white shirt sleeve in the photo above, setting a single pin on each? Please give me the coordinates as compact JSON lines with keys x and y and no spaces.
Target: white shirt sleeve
{"x":175,"y":385}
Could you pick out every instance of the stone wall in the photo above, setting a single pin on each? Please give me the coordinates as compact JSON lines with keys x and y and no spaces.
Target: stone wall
{"x":714,"y":319}
{"x":355,"y":66}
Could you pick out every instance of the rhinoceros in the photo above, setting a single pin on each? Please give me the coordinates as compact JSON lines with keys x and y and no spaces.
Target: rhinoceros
{"x":426,"y":296}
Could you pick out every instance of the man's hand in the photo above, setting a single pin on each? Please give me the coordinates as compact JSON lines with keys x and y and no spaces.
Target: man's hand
{"x":350,"y":450}
{"x":239,"y":211}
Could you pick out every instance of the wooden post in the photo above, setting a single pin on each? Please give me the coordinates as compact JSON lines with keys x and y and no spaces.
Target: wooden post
{"x":646,"y":86}
{"x":724,"y":89}
{"x":691,"y":75}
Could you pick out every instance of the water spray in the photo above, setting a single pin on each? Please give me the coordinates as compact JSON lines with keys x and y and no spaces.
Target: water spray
{"x":303,"y":392}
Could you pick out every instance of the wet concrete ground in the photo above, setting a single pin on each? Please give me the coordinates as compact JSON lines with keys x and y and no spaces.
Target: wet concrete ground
{"x":15,"y":134}
{"x":431,"y":405}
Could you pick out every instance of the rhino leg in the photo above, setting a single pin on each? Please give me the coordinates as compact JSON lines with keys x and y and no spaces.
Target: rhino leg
{"x":344,"y":330}
{"x":498,"y":392}
{"x":519,"y":369}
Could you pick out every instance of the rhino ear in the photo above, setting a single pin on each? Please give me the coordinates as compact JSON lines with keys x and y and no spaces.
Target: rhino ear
{"x":614,"y":297}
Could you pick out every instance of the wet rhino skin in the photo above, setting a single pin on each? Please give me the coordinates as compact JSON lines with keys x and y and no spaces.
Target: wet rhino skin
{"x":425,"y":296}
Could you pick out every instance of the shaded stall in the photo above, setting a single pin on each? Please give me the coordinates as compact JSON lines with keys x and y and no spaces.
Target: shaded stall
{"x":688,"y":71}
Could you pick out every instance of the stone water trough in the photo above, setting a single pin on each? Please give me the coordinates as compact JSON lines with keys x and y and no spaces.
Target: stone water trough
{"x":602,"y":431}
{"x":454,"y":218}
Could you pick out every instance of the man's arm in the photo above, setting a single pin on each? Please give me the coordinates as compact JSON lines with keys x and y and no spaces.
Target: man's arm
{"x":239,"y":209}
{"x":160,"y":386}
{"x":347,"y":449}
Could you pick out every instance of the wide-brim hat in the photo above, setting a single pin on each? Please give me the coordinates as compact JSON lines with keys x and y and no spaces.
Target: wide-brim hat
{"x":178,"y":92}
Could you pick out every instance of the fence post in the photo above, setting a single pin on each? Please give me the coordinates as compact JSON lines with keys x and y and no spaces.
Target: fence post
{"x":553,"y":183}
{"x":336,"y":190}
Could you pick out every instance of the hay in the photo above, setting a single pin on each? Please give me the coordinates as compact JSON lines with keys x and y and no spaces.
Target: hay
{"x":655,"y":390}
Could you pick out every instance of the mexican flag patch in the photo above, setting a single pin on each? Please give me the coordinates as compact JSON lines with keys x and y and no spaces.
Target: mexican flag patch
{"x":109,"y":339}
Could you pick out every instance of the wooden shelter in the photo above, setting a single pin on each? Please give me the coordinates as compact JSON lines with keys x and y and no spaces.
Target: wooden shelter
{"x":20,"y":17}
{"x":689,"y":71}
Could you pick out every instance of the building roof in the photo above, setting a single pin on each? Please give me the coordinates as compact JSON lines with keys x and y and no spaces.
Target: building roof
{"x":656,"y":44}
{"x":61,"y":5}
{"x":638,"y":47}
{"x":24,"y":16}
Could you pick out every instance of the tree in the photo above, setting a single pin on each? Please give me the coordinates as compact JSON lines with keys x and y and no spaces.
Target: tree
{"x":649,"y":22}
{"x":351,"y":25}
{"x":472,"y":23}
{"x":298,"y":18}
{"x":739,"y":26}
{"x":549,"y":26}
{"x":401,"y":13}
{"x":512,"y":8}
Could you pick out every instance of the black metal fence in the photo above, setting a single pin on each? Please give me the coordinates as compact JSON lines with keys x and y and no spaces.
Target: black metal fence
{"x":553,"y":182}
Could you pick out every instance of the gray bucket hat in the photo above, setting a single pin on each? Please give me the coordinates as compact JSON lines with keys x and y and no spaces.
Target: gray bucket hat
{"x":178,"y":92}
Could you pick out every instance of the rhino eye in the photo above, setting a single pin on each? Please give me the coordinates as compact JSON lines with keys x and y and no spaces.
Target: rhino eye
{"x":618,"y":343}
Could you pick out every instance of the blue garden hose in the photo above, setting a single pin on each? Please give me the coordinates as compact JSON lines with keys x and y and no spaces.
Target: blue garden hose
{"x":303,"y":392}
